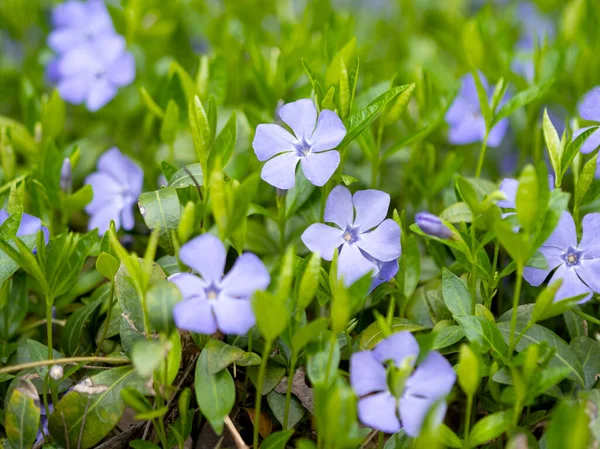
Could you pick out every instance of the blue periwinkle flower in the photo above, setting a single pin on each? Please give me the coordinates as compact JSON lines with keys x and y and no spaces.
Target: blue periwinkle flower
{"x":212,"y":301}
{"x":433,"y":225}
{"x":466,"y":121}
{"x":362,"y":234}
{"x":29,"y":225}
{"x":577,"y":264}
{"x":589,"y":109}
{"x":117,"y":185}
{"x":92,"y":62}
{"x":392,"y":393}
{"x":312,"y":144}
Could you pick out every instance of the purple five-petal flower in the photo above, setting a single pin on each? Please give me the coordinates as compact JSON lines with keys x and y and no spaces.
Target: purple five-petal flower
{"x":311,"y":144}
{"x":389,"y":408}
{"x":577,"y":264}
{"x":29,"y":225}
{"x":589,"y":109}
{"x":215,"y":302}
{"x":466,"y":121}
{"x":361,"y":233}
{"x":117,"y":185}
{"x":433,"y":225}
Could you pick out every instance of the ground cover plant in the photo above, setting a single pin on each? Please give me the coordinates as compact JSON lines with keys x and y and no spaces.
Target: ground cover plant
{"x":305,"y":224}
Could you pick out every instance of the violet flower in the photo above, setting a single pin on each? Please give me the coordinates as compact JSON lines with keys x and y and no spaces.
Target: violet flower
{"x":361,"y":233}
{"x":212,"y":301}
{"x":394,"y":395}
{"x":589,"y":109}
{"x":467,"y":124}
{"x":432,"y":225}
{"x":78,"y":23}
{"x":311,"y":144}
{"x":29,"y":225}
{"x":577,"y":264}
{"x":117,"y":185}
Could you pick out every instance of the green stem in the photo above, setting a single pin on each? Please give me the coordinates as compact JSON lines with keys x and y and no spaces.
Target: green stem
{"x":481,"y":156}
{"x":288,"y":393}
{"x":63,"y":361}
{"x":468,"y":420}
{"x":108,"y":315}
{"x":380,"y":440}
{"x":281,"y":221}
{"x":259,"y":388}
{"x":245,"y":388}
{"x":473,"y":278}
{"x":329,"y":360}
{"x":51,"y":382}
{"x":35,"y":324}
{"x":513,"y":321}
{"x":585,"y":316}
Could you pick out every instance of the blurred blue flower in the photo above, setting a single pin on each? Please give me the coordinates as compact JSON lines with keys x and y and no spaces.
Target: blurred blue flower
{"x":589,"y":109}
{"x":29,"y":225}
{"x":212,"y":301}
{"x":311,"y":145}
{"x":66,"y":176}
{"x":467,"y":124}
{"x":578,"y":265}
{"x":392,"y":393}
{"x":117,"y":185}
{"x":433,"y":225}
{"x":386,"y":271}
{"x":78,"y":23}
{"x":361,"y":234}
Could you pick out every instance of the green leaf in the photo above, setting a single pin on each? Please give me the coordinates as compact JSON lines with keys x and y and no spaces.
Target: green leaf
{"x":271,"y":314}
{"x":467,"y":370}
{"x":161,"y":210}
{"x":564,"y":356}
{"x":273,"y":375}
{"x":552,"y":142}
{"x":323,"y":360}
{"x":516,"y":244}
{"x":151,"y":104}
{"x":457,"y":213}
{"x":107,"y":265}
{"x":316,"y":80}
{"x":585,"y":180}
{"x":334,"y":70}
{"x":225,"y":141}
{"x":190,"y":175}
{"x":482,"y":94}
{"x":136,"y":400}
{"x":588,"y":353}
{"x":92,"y":408}
{"x":147,"y":355}
{"x":309,"y":282}
{"x":170,"y":124}
{"x":484,"y":335}
{"x":22,"y":417}
{"x":220,"y":355}
{"x":215,"y":393}
{"x":160,"y":300}
{"x":142,"y":444}
{"x":528,"y":207}
{"x":456,"y":295}
{"x":374,"y":334}
{"x":489,"y":428}
{"x":277,"y":440}
{"x":569,"y":427}
{"x":76,"y":337}
{"x":201,"y":132}
{"x":298,"y":195}
{"x":521,"y":99}
{"x":356,"y":123}
{"x":276,"y":403}
{"x":14,"y":305}
{"x":447,"y":336}
{"x":344,"y":91}
{"x":312,"y":331}
{"x":572,"y":150}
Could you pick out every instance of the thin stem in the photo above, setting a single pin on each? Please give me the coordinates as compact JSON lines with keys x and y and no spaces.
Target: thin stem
{"x":473,"y":278}
{"x":63,"y":361}
{"x":481,"y":155}
{"x":37,"y":323}
{"x":288,"y":393}
{"x":51,"y":381}
{"x":380,"y":440}
{"x":237,"y":438}
{"x":245,"y":388}
{"x":513,"y":321}
{"x":585,"y":316}
{"x":108,"y":315}
{"x":468,"y":420}
{"x":259,"y":388}
{"x":282,"y":220}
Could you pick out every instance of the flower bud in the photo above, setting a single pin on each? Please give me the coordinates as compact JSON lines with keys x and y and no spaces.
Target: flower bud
{"x":432,"y":225}
{"x":66,"y":176}
{"x":56,"y":372}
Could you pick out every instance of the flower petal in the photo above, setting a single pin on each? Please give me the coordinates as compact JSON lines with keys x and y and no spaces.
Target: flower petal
{"x":460,"y":109}
{"x":387,"y":270}
{"x":383,"y":242}
{"x":247,"y":275}
{"x":101,"y":218}
{"x":195,"y":315}
{"x":107,"y":48}
{"x":122,"y":169}
{"x":339,"y":208}
{"x":190,"y":285}
{"x":470,"y":130}
{"x":101,"y":92}
{"x":509,"y":187}
{"x":329,"y":133}
{"x":367,"y":374}
{"x":122,"y":71}
{"x":590,"y":243}
{"x":206,"y":254}
{"x":414,"y":411}
{"x":590,"y":106}
{"x":322,"y":239}
{"x":270,"y":140}
{"x":497,"y":134}
{"x":588,"y":271}
{"x":571,"y":286}
{"x":371,"y":208}
{"x":127,"y":216}
{"x":553,"y":256}
{"x":564,"y":235}
{"x":301,"y":116}
{"x":591,"y":143}
{"x":397,"y":347}
{"x":433,"y":378}
{"x":280,"y":171}
{"x":352,"y":264}
{"x":379,"y":412}
{"x":68,"y":13}
{"x":234,"y":316}
{"x":74,"y":89}
{"x":62,"y":40}
{"x":106,"y":191}
{"x":319,"y":167}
